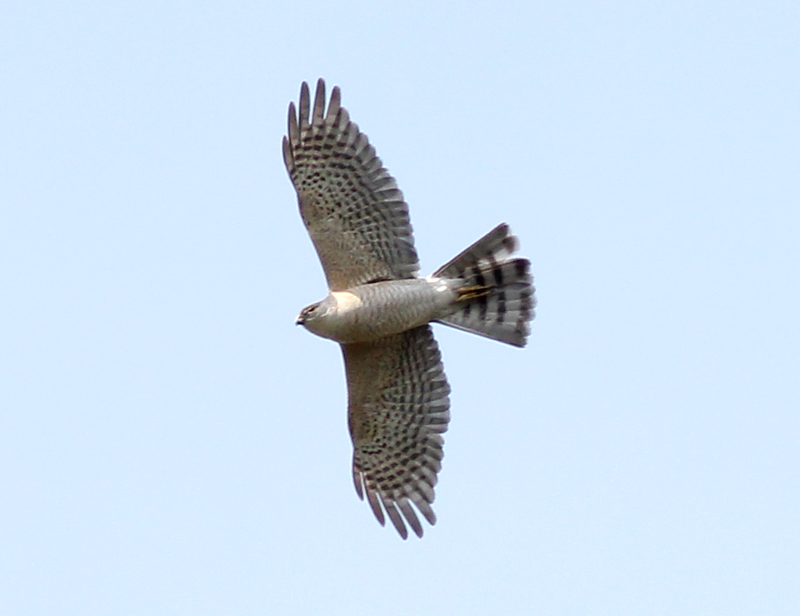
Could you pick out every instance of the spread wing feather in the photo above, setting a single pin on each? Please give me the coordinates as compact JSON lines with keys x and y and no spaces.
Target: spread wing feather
{"x":398,"y":409}
{"x":351,"y":206}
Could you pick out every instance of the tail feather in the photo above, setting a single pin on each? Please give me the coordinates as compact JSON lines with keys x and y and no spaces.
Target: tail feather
{"x":496,"y":297}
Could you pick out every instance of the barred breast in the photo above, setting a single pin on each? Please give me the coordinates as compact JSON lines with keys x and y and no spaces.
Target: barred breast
{"x":372,"y":311}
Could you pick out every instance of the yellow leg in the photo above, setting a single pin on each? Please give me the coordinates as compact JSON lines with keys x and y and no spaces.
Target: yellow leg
{"x":466,"y":294}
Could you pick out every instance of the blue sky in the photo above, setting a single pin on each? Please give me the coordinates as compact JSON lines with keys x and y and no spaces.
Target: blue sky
{"x":170,"y":443}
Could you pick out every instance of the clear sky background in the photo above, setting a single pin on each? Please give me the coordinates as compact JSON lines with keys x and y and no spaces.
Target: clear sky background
{"x":170,"y":442}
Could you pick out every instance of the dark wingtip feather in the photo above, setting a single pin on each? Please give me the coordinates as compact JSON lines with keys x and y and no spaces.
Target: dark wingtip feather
{"x":334,"y":105}
{"x":358,"y":481}
{"x":305,"y":104}
{"x":294,"y":131}
{"x":396,"y":518}
{"x":319,"y":102}
{"x":411,"y":517}
{"x":374,"y":502}
{"x":288,"y":156}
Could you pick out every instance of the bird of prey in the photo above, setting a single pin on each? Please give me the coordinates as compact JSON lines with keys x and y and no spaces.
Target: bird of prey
{"x":380,"y":311}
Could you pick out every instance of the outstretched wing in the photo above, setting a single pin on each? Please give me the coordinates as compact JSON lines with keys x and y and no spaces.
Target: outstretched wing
{"x":398,"y":410}
{"x":350,"y":204}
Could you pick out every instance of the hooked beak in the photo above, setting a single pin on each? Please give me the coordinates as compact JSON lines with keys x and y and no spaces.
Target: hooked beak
{"x":300,"y":320}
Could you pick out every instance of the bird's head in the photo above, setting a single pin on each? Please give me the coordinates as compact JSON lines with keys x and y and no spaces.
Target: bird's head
{"x":311,"y":314}
{"x":307,"y":314}
{"x":316,"y":318}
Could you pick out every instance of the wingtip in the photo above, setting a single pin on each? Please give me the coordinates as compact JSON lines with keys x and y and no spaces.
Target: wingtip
{"x":288,"y":155}
{"x":358,"y":482}
{"x":374,"y":503}
{"x":395,"y":517}
{"x":334,"y":105}
{"x":305,"y":103}
{"x":319,"y":102}
{"x":315,"y":114}
{"x":293,"y":130}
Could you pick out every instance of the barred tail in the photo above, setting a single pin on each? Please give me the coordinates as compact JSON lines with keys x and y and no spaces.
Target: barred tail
{"x":496,"y":298}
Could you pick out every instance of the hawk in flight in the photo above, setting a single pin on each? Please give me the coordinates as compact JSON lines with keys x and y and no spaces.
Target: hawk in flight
{"x":380,"y":311}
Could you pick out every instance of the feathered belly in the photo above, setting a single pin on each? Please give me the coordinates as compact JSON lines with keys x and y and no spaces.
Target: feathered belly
{"x":380,"y":309}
